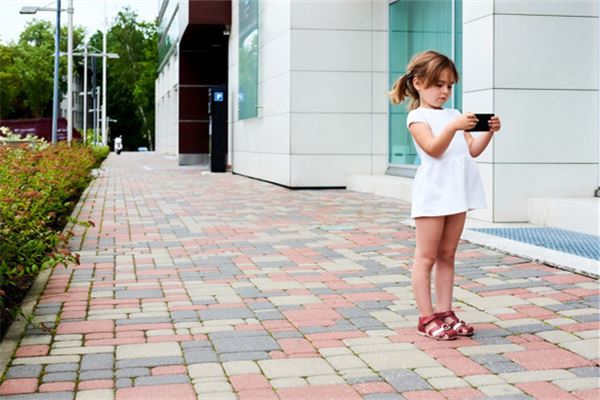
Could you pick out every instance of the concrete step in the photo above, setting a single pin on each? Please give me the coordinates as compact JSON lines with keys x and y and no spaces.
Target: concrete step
{"x":580,"y":214}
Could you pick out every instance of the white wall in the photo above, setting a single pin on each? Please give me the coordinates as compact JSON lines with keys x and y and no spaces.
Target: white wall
{"x":167,"y":107}
{"x":535,"y":64}
{"x":260,"y":147}
{"x":322,"y":92}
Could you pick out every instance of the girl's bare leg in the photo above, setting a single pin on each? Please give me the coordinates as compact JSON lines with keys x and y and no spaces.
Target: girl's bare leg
{"x":429,"y":233}
{"x":444,"y":269}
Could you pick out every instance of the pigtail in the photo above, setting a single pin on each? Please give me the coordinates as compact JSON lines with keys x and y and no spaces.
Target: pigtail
{"x":403,"y":88}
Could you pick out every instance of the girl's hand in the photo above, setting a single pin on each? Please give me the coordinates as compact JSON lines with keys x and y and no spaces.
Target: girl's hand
{"x":465,"y":122}
{"x":494,"y":124}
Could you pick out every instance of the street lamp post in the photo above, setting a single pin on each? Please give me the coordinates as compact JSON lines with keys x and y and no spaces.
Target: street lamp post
{"x":104,"y":132}
{"x":58,"y":9}
{"x":70,"y":73}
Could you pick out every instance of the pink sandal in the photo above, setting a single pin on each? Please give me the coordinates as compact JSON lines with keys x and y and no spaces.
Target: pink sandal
{"x":460,"y":327}
{"x":439,"y":330}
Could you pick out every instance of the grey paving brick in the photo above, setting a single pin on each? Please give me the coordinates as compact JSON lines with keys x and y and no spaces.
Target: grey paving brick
{"x":225,"y":313}
{"x":481,"y":333}
{"x":404,"y":380}
{"x":235,"y":335}
{"x":262,"y":305}
{"x":200,"y":356}
{"x":139,"y":294}
{"x":367,"y":323}
{"x":244,"y":356}
{"x":512,"y":397}
{"x":587,"y":318}
{"x":488,"y":358}
{"x":124,"y":383}
{"x":268,"y":315}
{"x":132,"y":372}
{"x":161,"y":380}
{"x":179,"y":316}
{"x":59,"y":377}
{"x":534,"y":328}
{"x":493,"y":340}
{"x":96,"y":374}
{"x":24,"y":371}
{"x":504,"y":367}
{"x":149,"y":362}
{"x":374,"y":305}
{"x":586,"y":372}
{"x":383,"y":396}
{"x":196,"y":344}
{"x":352,"y":312}
{"x":97,"y":361}
{"x":287,"y":334}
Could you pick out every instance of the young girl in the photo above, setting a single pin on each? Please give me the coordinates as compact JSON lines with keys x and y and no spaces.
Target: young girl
{"x":446,"y":186}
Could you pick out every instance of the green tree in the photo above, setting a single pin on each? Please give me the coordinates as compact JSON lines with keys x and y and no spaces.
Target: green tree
{"x":27,"y":71}
{"x":131,"y":78}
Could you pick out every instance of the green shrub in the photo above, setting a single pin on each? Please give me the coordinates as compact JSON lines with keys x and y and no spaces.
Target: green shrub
{"x":38,"y":190}
{"x":100,"y":153}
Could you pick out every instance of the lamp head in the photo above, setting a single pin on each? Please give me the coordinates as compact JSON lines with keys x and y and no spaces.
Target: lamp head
{"x":28,"y":10}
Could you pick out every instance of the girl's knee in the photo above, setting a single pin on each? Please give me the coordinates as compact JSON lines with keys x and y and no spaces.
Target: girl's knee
{"x":446,"y":256}
{"x":425,"y":261}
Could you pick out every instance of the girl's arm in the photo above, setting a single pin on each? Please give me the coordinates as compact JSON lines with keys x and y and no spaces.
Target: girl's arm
{"x":478,"y":145}
{"x":435,"y":146}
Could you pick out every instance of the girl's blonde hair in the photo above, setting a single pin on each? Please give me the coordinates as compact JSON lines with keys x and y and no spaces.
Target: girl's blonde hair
{"x":426,"y":66}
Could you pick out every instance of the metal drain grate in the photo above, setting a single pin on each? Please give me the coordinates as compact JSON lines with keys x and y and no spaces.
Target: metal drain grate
{"x":580,"y":244}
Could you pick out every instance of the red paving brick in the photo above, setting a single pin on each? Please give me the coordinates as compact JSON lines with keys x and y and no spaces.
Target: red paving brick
{"x":547,"y":359}
{"x":157,"y":392}
{"x":249,"y":382}
{"x":545,"y":391}
{"x":32,"y":351}
{"x":18,"y":386}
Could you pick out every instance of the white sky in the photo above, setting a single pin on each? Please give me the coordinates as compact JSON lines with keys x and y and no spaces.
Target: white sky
{"x":88,"y":13}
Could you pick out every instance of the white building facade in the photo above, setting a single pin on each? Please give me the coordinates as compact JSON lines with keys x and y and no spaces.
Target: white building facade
{"x":316,"y":113}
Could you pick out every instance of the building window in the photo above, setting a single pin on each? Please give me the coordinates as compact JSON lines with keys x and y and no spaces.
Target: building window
{"x":415,"y":26}
{"x":248,"y":59}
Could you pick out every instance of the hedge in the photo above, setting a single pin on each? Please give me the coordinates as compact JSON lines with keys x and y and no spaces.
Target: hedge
{"x":39,"y":187}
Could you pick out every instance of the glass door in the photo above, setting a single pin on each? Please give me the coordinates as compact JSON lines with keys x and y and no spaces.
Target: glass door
{"x":415,"y":26}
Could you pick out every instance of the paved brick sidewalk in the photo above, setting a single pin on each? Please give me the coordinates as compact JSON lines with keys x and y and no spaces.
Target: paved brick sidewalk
{"x":198,"y":286}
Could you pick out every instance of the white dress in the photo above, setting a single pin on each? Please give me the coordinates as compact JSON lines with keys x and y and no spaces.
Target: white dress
{"x":449,"y":184}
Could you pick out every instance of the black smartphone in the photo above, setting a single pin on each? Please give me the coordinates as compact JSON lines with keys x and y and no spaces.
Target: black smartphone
{"x":483,"y":125}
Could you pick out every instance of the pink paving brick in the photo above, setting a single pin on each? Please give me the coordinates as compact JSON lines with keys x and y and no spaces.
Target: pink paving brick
{"x":587,"y":394}
{"x":96,"y":384}
{"x":336,"y":335}
{"x":296,"y":345}
{"x":312,"y":314}
{"x":157,"y":392}
{"x":66,"y":328}
{"x":18,"y":386}
{"x":547,"y":359}
{"x":249,"y":382}
{"x":169,"y":370}
{"x":423,"y":395}
{"x":567,"y":278}
{"x":545,"y":391}
{"x":32,"y":351}
{"x":462,"y":393}
{"x":326,"y":392}
{"x":57,"y":387}
{"x":324,"y":344}
{"x":373,"y":387}
{"x":259,"y":394}
{"x":462,"y":366}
